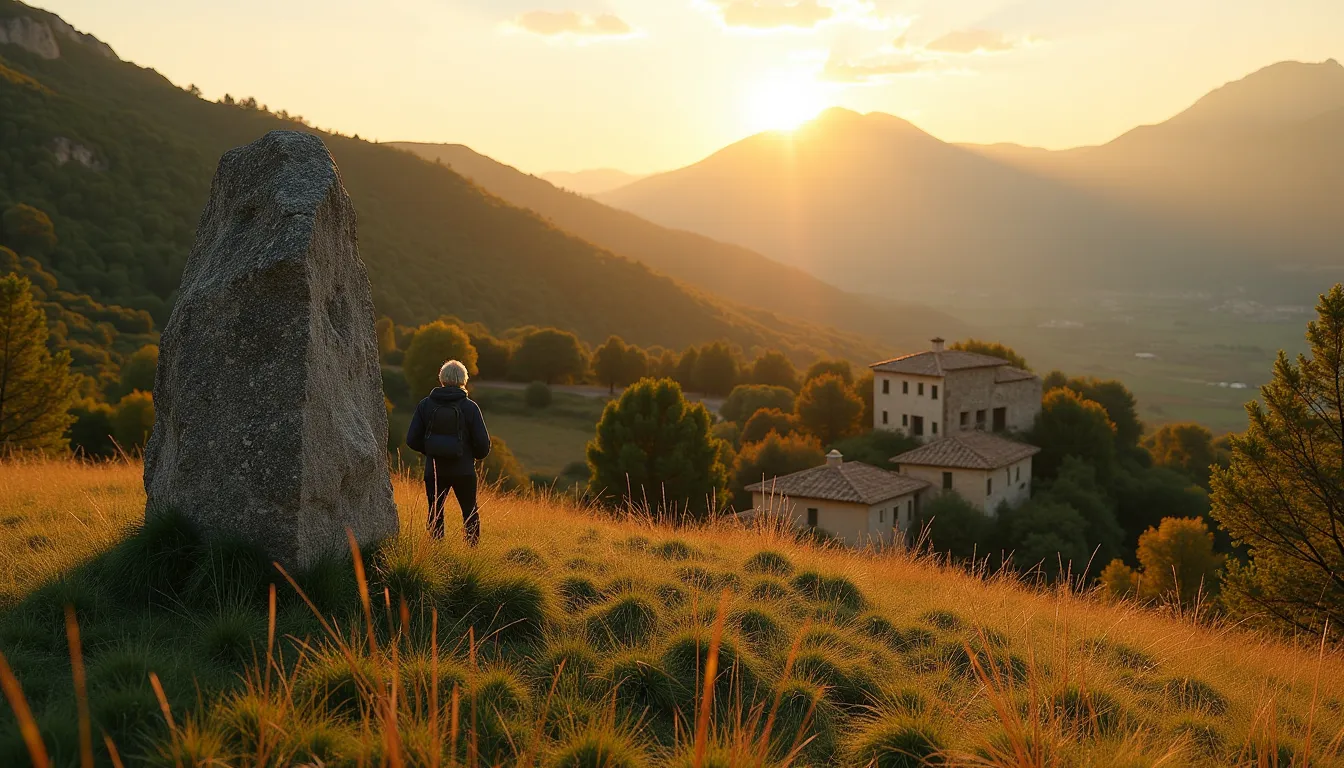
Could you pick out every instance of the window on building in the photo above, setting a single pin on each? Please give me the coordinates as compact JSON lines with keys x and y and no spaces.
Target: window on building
{"x":905,"y":387}
{"x":905,"y":419}
{"x":1019,"y":475}
{"x":921,"y":389}
{"x":811,"y":517}
{"x":935,"y":392}
{"x":881,"y":515}
{"x":935,"y":427}
{"x":917,"y":427}
{"x":947,"y":481}
{"x":980,"y":419}
{"x":965,"y":419}
{"x":989,"y":486}
{"x":1000,"y":419}
{"x":884,"y":417}
{"x":886,"y":386}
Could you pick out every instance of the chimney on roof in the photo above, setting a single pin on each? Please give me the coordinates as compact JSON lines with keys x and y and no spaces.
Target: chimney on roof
{"x":834,"y":458}
{"x":937,"y":343}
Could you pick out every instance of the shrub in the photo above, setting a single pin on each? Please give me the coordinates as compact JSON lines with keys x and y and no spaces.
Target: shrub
{"x":767,"y":420}
{"x":538,"y":395}
{"x":747,"y":399}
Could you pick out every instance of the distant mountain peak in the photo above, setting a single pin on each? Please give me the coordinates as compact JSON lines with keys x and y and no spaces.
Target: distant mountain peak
{"x":1286,"y":92}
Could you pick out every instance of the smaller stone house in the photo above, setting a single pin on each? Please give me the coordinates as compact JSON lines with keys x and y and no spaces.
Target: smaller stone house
{"x":984,"y":468}
{"x":856,"y":503}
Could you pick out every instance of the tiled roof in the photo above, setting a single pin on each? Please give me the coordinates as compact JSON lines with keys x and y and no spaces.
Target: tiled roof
{"x":968,"y":450}
{"x":852,"y":481}
{"x":1009,"y":373}
{"x":936,"y":363}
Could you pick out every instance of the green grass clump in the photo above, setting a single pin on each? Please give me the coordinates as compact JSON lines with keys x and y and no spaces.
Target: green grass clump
{"x":847,"y":684}
{"x":578,"y":592}
{"x":764,"y":590}
{"x":1089,"y":712}
{"x":1203,"y":739}
{"x":995,"y":666}
{"x":234,"y":634}
{"x":597,"y":748}
{"x":707,"y":580}
{"x":759,"y":627}
{"x":829,"y":589}
{"x":579,"y":662}
{"x":768,"y":562}
{"x":898,"y":742}
{"x":499,"y":691}
{"x":514,"y":609}
{"x":670,"y":595}
{"x":526,"y":557}
{"x":338,"y":685}
{"x":673,"y":549}
{"x":1120,"y":655}
{"x":628,"y":620}
{"x":944,"y":620}
{"x":642,"y":688}
{"x":805,"y":718}
{"x":231,"y":571}
{"x":417,"y":679}
{"x":685,"y":658}
{"x":1194,"y":694}
{"x":155,"y":563}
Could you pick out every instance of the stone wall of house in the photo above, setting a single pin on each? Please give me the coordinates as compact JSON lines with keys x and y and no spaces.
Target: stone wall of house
{"x":973,"y":392}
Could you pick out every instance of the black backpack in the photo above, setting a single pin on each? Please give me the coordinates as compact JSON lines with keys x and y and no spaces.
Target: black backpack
{"x":445,"y":432}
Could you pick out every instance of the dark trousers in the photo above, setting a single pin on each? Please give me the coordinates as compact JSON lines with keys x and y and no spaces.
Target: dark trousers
{"x":464,"y":488}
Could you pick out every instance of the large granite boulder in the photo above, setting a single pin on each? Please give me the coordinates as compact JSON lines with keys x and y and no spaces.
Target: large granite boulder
{"x":270,"y":423}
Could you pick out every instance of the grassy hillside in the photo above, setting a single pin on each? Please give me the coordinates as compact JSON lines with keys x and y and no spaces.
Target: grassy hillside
{"x":861,"y":657}
{"x":723,"y":269}
{"x":434,"y":242}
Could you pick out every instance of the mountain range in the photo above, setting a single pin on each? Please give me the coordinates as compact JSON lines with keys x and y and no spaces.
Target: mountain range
{"x":1229,"y":192}
{"x":719,"y":268}
{"x":591,"y":182}
{"x":121,"y":160}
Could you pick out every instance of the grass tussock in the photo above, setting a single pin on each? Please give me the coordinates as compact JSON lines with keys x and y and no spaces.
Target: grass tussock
{"x":591,"y":641}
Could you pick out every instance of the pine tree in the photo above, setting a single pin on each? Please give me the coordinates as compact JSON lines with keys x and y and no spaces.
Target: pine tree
{"x":1282,"y":498}
{"x":36,"y":387}
{"x":654,"y":449}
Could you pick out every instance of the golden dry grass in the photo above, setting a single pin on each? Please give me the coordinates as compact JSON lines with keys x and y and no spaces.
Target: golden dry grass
{"x":1276,"y":693}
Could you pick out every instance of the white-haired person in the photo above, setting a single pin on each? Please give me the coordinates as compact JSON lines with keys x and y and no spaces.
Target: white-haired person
{"x":449,"y":429}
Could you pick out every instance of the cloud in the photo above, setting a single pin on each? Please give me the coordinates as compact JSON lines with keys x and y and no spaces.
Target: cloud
{"x":773,"y":14}
{"x":972,"y":41}
{"x":873,"y":69}
{"x":572,"y":24}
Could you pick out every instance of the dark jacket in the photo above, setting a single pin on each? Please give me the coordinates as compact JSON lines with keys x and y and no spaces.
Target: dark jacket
{"x":478,"y":440}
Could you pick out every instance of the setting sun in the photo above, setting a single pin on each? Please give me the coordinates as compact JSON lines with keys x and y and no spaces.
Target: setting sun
{"x":784,"y":103}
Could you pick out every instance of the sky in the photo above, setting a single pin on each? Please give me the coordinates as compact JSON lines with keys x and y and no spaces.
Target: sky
{"x":647,"y":85}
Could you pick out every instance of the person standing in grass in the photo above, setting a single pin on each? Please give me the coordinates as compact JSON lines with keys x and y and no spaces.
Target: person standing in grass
{"x":449,"y":430}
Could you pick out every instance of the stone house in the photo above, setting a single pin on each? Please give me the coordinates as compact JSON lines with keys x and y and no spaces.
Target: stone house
{"x":941,"y":392}
{"x":856,"y":503}
{"x":986,"y":469}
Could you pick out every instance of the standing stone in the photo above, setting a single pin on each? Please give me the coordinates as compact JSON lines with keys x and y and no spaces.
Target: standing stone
{"x":270,"y":423}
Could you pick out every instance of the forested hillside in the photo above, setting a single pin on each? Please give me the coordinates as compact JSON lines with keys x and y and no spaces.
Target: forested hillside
{"x":728,"y":270}
{"x":121,"y":160}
